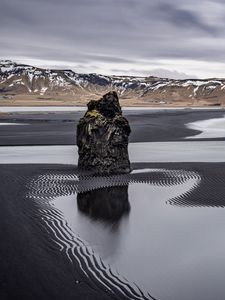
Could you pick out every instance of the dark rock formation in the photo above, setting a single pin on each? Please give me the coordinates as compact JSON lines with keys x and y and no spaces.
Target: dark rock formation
{"x":102,"y":137}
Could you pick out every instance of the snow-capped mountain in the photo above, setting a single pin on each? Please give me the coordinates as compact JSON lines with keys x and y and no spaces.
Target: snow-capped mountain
{"x":18,"y":80}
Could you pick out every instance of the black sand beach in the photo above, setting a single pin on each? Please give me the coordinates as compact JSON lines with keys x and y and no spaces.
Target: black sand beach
{"x":59,"y":128}
{"x":33,"y":264}
{"x":32,"y":267}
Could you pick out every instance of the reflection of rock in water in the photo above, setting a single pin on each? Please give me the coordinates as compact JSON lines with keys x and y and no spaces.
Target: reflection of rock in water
{"x":108,"y":204}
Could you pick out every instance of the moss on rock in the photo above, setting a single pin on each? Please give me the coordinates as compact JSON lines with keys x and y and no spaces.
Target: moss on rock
{"x":102,"y":137}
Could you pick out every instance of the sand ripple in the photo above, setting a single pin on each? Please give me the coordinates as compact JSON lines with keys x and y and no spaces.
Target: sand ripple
{"x":44,"y":188}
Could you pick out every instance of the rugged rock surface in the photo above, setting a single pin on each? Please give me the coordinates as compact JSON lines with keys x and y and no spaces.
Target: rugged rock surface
{"x":102,"y":137}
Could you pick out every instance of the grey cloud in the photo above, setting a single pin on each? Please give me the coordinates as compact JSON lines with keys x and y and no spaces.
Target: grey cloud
{"x":185,"y":18}
{"x":163,"y":73}
{"x":106,"y":58}
{"x":112,"y":32}
{"x":171,"y":74}
{"x":11,"y":15}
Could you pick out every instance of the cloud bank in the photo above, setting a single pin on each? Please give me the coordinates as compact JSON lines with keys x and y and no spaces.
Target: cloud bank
{"x":179,"y":38}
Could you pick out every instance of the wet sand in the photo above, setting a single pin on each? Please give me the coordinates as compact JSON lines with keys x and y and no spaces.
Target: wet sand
{"x":37,"y":262}
{"x":59,"y":128}
{"x":182,"y":151}
{"x":32,"y":266}
{"x":210,"y":128}
{"x":33,"y":263}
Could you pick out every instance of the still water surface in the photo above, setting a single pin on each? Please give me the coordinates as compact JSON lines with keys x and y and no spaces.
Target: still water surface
{"x":147,"y":236}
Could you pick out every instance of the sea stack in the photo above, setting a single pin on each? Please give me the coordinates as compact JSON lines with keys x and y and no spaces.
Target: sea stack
{"x":102,"y":137}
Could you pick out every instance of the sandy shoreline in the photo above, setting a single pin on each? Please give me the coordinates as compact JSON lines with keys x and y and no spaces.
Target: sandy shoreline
{"x":44,"y":268}
{"x":7,"y":109}
{"x":204,"y":151}
{"x":210,"y":128}
{"x":34,"y":264}
{"x":59,"y":128}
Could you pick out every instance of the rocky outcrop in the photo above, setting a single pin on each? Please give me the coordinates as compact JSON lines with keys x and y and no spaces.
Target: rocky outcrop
{"x":102,"y":137}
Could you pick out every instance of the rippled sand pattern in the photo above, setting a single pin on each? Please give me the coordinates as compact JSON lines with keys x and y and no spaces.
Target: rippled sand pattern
{"x":55,"y":184}
{"x":44,"y":188}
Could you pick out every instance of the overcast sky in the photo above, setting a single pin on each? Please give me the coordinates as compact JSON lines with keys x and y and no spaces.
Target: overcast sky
{"x":171,"y":38}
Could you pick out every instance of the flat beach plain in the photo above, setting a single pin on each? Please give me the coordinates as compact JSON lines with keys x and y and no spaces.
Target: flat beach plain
{"x":156,"y":233}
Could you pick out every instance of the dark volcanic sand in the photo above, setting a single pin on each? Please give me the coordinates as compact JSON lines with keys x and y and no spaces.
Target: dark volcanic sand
{"x":59,"y":128}
{"x":32,"y":265}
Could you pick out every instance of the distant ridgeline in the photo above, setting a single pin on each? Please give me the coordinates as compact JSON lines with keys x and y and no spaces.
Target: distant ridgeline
{"x":18,"y":81}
